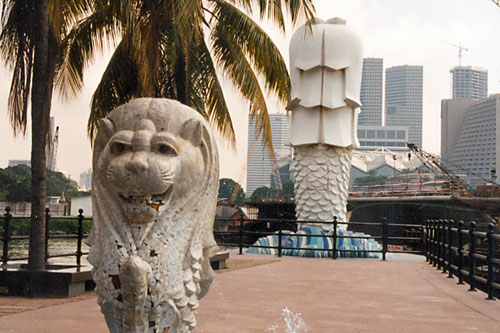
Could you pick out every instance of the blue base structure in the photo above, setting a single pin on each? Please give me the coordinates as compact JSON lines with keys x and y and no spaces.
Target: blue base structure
{"x":312,"y":243}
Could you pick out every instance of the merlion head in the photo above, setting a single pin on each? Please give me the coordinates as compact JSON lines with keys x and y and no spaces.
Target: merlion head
{"x":151,"y":155}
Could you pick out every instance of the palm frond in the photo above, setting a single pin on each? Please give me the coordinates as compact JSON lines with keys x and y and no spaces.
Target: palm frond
{"x":274,"y":10}
{"x":16,"y":48}
{"x":89,"y":36}
{"x":119,"y":84}
{"x":237,"y":68}
{"x":299,"y":9}
{"x":64,"y":13}
{"x":210,"y":89}
{"x":266,"y":58}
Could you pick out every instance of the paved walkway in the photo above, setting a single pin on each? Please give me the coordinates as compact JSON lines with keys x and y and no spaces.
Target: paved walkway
{"x":345,"y":295}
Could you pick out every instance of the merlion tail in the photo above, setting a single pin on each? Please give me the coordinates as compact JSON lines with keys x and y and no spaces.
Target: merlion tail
{"x":321,"y":183}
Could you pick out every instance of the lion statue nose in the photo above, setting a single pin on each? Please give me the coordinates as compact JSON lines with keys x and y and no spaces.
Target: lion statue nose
{"x":137,"y":163}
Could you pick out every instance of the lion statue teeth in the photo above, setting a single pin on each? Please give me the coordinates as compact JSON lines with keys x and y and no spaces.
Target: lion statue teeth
{"x":155,"y":182}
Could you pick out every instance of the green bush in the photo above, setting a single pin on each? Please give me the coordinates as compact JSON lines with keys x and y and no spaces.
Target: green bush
{"x":22,"y":226}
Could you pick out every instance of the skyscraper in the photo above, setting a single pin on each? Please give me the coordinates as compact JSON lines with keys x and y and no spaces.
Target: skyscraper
{"x":470,"y":136}
{"x":371,"y":92}
{"x":259,"y":165}
{"x":403,"y":99}
{"x":470,"y":82}
{"x":86,"y":180}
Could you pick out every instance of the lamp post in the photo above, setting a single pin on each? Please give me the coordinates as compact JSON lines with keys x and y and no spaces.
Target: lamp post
{"x":394,"y":174}
{"x":493,"y":180}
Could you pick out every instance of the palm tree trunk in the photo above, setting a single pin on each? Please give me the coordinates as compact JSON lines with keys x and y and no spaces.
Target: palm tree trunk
{"x":40,"y":112}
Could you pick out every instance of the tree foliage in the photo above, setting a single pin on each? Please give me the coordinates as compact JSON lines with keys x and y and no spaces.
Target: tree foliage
{"x":288,"y":189}
{"x":179,"y":50}
{"x":15,"y":184}
{"x":30,"y":44}
{"x":263,"y":192}
{"x":231,"y":191}
{"x":371,"y":179}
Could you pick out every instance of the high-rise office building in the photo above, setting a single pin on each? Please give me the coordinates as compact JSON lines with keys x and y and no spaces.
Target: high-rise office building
{"x":86,"y":180}
{"x":470,"y":137}
{"x":470,"y":82}
{"x":371,"y":92}
{"x":259,"y":164}
{"x":403,"y":99}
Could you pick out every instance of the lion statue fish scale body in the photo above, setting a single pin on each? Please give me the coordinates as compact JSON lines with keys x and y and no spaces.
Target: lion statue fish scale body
{"x":155,"y":182}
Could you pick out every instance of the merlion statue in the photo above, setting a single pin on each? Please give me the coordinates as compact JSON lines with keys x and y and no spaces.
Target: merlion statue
{"x":325,"y":70}
{"x":154,"y":190}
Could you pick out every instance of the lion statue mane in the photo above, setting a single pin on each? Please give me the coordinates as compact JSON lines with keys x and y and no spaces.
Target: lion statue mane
{"x":154,"y":193}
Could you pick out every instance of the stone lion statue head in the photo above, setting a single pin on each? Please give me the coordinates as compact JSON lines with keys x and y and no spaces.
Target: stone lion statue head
{"x":155,"y":181}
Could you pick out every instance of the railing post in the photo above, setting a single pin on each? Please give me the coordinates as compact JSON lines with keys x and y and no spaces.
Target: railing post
{"x":6,"y":236}
{"x":438,"y":243}
{"x":47,"y":221}
{"x":429,"y":247}
{"x":79,"y":239}
{"x":491,"y":273}
{"x":443,"y":245}
{"x":426,"y":240}
{"x":472,"y":260}
{"x":241,"y":235}
{"x":434,"y":243}
{"x":460,"y":252}
{"x":444,"y":253}
{"x":450,"y":251}
{"x":334,"y":238}
{"x":384,"y":238}
{"x":280,"y":234}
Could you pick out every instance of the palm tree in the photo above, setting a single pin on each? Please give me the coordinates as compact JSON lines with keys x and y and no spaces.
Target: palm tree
{"x":30,"y":42}
{"x":174,"y":49}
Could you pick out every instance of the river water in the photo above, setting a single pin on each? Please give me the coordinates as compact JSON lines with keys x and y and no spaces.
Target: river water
{"x":19,"y":248}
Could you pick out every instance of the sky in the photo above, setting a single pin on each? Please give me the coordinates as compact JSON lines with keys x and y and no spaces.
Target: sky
{"x":399,"y":31}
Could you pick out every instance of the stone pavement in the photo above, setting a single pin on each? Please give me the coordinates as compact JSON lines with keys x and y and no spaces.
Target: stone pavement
{"x":345,"y":295}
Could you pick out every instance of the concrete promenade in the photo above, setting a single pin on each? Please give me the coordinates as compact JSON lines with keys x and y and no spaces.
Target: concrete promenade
{"x":345,"y":295}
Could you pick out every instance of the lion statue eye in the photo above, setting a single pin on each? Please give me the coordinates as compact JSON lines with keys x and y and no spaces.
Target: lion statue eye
{"x":166,"y":149}
{"x":119,"y":147}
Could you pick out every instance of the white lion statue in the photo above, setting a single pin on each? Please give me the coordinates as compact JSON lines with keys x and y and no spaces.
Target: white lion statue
{"x":154,"y":190}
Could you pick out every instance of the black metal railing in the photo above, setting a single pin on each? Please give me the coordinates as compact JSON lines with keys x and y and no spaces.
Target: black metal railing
{"x":7,"y":236}
{"x":471,"y":255}
{"x":243,"y":233}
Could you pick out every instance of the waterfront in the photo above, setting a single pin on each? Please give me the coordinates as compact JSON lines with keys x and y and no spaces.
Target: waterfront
{"x":19,"y":248}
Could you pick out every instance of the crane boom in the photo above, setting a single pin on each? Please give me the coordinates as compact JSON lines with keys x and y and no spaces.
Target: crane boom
{"x":434,"y":163}
{"x":460,"y":50}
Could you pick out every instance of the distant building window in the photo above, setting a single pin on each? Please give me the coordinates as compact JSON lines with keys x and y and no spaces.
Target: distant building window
{"x":390,"y":144}
{"x":380,"y":134}
{"x":370,"y":134}
{"x":391,"y":134}
{"x":400,"y":144}
{"x":370,"y":143}
{"x":401,"y":135}
{"x":361,"y":134}
{"x":380,"y":144}
{"x":391,"y":109}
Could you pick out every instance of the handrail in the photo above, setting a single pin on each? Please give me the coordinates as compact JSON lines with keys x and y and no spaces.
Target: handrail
{"x":478,"y":265}
{"x":242,"y":232}
{"x":7,"y":236}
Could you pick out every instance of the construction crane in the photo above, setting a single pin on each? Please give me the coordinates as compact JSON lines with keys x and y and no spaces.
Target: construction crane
{"x":433,"y":162}
{"x":460,"y":50}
